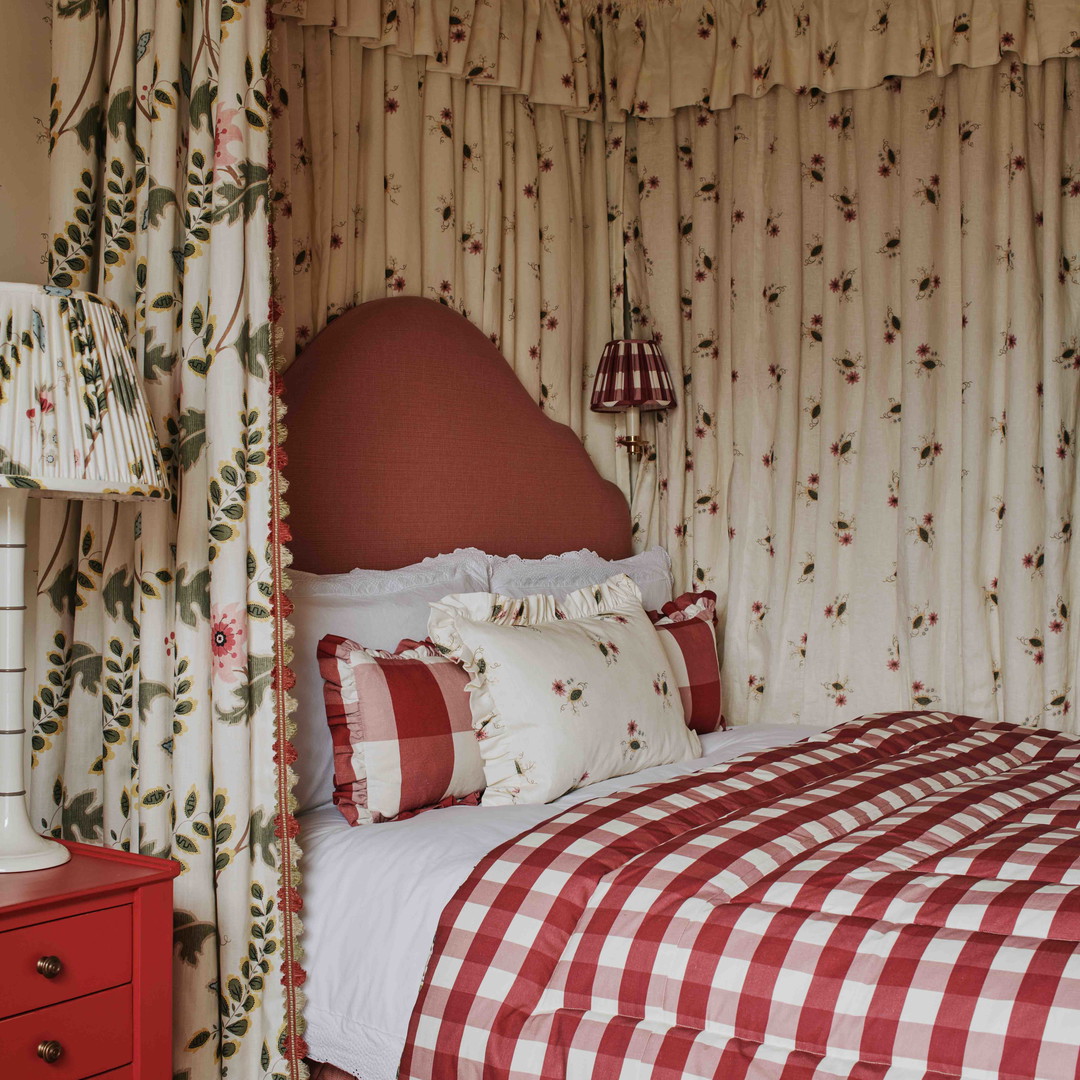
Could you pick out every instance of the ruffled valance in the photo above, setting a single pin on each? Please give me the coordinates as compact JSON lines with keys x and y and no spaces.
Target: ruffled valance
{"x":652,"y":57}
{"x":548,"y":50}
{"x":664,"y":56}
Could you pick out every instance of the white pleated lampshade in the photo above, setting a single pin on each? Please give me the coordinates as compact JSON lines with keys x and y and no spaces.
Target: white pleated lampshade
{"x":73,"y":417}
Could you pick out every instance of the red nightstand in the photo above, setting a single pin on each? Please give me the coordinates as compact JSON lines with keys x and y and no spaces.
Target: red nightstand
{"x":86,"y":968}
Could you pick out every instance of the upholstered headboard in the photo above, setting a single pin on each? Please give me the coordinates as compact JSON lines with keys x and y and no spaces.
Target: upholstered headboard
{"x":409,"y":435}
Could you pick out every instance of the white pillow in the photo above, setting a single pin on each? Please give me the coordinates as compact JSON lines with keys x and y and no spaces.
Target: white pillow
{"x":562,"y":574}
{"x":471,"y":561}
{"x":564,"y":693}
{"x":349,"y":605}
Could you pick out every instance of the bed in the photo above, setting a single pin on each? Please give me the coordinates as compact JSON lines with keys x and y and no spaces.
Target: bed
{"x":368,"y":934}
{"x":896,"y":897}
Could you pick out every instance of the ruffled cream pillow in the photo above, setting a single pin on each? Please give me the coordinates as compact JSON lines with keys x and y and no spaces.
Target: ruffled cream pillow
{"x":563,"y":693}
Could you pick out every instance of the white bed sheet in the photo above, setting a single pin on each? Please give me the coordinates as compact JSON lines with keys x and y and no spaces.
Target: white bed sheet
{"x":373,"y":896}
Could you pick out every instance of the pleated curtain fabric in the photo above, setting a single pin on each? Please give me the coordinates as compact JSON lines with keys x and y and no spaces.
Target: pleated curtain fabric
{"x":867,"y":297}
{"x":661,"y":56}
{"x":863,"y":286}
{"x":153,"y":724}
{"x":874,"y":301}
{"x":549,"y":51}
{"x":392,"y":179}
{"x":649,"y":58}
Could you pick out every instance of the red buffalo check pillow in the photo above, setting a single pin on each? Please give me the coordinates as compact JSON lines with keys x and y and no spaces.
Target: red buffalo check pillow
{"x":402,"y":730}
{"x":685,"y":626}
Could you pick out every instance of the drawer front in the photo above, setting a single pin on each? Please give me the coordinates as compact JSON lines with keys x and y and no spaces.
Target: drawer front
{"x":93,"y":950}
{"x":94,"y":1034}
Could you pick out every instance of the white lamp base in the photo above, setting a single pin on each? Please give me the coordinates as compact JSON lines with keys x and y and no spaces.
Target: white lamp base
{"x":21,"y":848}
{"x":40,"y":856}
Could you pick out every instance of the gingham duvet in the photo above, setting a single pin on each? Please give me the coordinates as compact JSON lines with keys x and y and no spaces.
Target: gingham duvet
{"x":899,"y":897}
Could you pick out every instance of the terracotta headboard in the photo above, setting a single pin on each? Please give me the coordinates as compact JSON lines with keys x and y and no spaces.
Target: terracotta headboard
{"x":409,"y":435}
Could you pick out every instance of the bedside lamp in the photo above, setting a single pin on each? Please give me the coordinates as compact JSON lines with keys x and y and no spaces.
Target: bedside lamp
{"x":632,"y":376}
{"x":73,"y":422}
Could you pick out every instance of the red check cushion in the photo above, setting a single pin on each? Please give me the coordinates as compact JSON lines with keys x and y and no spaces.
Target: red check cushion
{"x":685,"y":625}
{"x":402,"y":730}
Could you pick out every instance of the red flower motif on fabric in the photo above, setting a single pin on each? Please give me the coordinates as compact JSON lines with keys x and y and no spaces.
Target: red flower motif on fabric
{"x":228,"y":641}
{"x":227,"y":131}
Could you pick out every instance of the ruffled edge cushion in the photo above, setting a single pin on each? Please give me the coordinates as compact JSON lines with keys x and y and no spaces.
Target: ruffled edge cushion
{"x":617,"y":595}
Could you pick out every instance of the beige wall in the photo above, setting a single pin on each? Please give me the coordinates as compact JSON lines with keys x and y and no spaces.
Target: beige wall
{"x":24,"y":151}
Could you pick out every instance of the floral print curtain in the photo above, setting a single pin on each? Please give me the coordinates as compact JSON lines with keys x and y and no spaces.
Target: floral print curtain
{"x":660,"y":56}
{"x":153,"y":718}
{"x":757,"y":170}
{"x":547,"y":50}
{"x":872,"y":413}
{"x":394,"y":179}
{"x":650,"y":57}
{"x":874,"y":298}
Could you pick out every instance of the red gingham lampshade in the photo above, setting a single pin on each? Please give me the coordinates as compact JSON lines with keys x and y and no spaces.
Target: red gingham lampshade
{"x":632,"y":375}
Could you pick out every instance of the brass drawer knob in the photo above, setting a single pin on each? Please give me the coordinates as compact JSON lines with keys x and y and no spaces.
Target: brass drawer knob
{"x":50,"y":967}
{"x":49,"y":1051}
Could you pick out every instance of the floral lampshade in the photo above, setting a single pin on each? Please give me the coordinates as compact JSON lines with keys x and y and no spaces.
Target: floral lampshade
{"x":632,"y":375}
{"x":73,"y":418}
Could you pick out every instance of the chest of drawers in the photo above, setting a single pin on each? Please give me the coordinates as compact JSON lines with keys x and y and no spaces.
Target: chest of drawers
{"x":86,"y":969}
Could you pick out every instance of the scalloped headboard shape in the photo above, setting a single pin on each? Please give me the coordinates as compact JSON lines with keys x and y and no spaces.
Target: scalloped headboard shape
{"x":410,"y":435}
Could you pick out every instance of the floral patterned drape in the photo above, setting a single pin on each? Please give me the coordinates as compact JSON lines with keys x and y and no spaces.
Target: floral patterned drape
{"x":874,"y":297}
{"x":471,"y":152}
{"x":392,"y":179}
{"x":650,"y":57}
{"x":366,"y":190}
{"x":548,"y":50}
{"x":153,"y":724}
{"x":660,"y":56}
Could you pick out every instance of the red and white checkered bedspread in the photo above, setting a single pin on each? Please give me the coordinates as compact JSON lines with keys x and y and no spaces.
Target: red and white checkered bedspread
{"x":897,"y":898}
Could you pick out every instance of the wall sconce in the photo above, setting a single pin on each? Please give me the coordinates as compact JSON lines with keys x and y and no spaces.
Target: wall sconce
{"x":632,"y":376}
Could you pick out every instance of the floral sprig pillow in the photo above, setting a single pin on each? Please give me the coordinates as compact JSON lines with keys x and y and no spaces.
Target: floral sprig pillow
{"x":563,"y":693}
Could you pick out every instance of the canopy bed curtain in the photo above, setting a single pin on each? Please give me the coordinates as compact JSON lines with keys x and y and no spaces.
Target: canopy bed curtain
{"x":876,"y":301}
{"x":153,"y":720}
{"x":473,"y":154}
{"x":663,"y":55}
{"x":483,"y":189}
{"x":407,"y":135}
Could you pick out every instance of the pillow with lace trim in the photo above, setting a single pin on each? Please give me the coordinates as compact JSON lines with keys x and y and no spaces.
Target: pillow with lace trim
{"x":573,"y":570}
